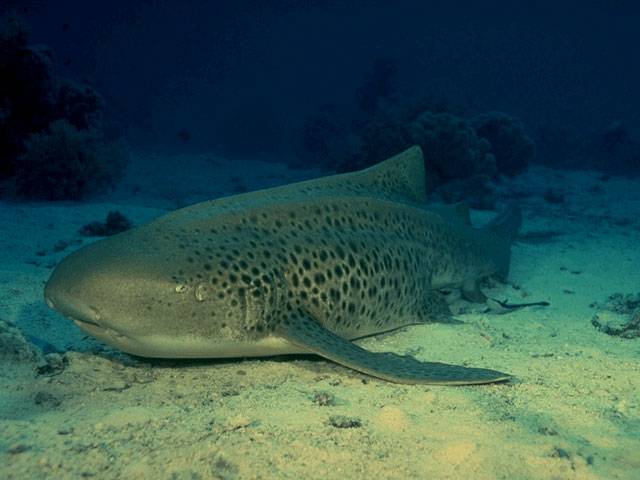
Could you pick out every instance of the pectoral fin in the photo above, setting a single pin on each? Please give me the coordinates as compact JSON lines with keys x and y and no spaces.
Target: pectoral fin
{"x":305,"y":332}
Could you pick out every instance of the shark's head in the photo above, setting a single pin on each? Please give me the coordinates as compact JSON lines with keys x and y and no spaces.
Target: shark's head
{"x":150,"y":300}
{"x":112,"y":293}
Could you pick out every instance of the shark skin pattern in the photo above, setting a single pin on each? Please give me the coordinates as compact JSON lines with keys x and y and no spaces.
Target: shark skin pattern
{"x":301,"y":268}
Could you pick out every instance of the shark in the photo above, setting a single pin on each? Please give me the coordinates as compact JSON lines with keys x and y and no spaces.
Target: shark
{"x":303,"y":268}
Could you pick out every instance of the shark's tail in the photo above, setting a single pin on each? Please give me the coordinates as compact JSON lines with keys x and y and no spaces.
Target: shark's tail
{"x":504,"y":229}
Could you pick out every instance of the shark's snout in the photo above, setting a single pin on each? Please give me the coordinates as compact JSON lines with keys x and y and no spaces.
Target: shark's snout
{"x":79,"y":285}
{"x":61,"y":296}
{"x":110,"y":289}
{"x":70,"y":307}
{"x":64,"y":291}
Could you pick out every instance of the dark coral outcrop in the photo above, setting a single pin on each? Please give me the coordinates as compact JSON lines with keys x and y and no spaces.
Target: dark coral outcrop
{"x":51,"y":141}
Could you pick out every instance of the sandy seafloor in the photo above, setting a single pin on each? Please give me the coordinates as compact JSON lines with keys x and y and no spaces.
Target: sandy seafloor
{"x":72,"y":408}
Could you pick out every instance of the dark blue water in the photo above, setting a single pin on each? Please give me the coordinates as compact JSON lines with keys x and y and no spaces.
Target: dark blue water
{"x":338,"y":84}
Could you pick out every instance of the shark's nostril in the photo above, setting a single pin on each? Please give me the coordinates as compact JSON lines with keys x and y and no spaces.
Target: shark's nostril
{"x":95,"y":314}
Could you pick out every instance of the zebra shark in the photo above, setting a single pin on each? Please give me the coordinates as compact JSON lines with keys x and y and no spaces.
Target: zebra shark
{"x":301,"y":268}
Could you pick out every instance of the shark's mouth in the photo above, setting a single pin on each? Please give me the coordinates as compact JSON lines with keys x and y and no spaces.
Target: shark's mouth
{"x":85,"y":317}
{"x":94,"y":329}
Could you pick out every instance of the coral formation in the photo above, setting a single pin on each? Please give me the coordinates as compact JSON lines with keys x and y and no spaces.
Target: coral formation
{"x":451,"y":147}
{"x":115,"y":223}
{"x":461,"y":155}
{"x":63,"y":162}
{"x":449,"y":143}
{"x":80,"y":104}
{"x":50,"y":127}
{"x":511,"y":147}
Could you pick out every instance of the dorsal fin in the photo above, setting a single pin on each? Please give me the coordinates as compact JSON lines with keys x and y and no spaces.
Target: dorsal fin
{"x":402,"y":175}
{"x":398,"y":178}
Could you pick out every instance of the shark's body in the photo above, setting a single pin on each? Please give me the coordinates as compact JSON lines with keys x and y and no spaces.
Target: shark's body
{"x":301,"y":268}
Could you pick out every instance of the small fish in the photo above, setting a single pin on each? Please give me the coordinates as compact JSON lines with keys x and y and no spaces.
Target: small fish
{"x":496,"y":306}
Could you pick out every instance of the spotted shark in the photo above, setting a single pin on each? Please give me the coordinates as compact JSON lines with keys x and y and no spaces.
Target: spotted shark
{"x":300,"y":268}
